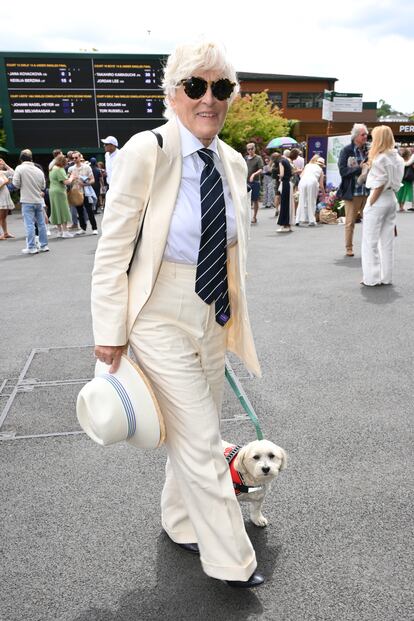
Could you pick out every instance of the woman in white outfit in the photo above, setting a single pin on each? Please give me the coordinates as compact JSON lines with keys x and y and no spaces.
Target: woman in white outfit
{"x":311,"y":182}
{"x":386,"y":169}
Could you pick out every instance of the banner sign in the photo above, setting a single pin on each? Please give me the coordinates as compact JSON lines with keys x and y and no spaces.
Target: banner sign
{"x":335,"y":144}
{"x":327,"y":104}
{"x":340,"y":102}
{"x":317,"y":145}
{"x":347,"y":102}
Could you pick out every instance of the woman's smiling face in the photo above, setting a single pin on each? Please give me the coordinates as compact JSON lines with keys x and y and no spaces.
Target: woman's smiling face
{"x":203,"y":117}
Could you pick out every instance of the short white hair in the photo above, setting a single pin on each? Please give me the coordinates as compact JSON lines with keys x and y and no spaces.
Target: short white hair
{"x":188,"y":59}
{"x":357,"y":129}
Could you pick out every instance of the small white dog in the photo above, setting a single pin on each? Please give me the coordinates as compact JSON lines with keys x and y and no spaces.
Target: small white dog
{"x":253,"y":468}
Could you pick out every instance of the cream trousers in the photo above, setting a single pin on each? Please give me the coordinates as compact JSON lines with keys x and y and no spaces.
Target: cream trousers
{"x":308,"y":195}
{"x":352,"y":208}
{"x":377,"y":249}
{"x":181,"y":348}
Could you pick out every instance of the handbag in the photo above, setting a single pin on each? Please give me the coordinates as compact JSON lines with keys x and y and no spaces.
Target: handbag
{"x":408,"y":174}
{"x":327,"y":216}
{"x":75,"y":196}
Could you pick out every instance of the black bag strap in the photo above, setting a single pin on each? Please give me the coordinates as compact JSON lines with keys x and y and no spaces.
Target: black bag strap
{"x":160,"y":144}
{"x":158,"y":137}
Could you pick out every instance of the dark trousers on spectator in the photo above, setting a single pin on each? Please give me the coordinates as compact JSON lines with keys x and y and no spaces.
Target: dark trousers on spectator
{"x":89,"y":210}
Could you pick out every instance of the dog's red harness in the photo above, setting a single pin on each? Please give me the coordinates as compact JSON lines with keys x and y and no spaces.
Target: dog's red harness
{"x":238,"y":483}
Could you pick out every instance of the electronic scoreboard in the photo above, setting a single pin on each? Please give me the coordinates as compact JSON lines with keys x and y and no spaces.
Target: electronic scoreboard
{"x":73,"y":100}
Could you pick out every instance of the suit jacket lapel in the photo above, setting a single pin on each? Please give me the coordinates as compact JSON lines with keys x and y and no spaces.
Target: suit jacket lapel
{"x":164,"y":192}
{"x":236,"y":178}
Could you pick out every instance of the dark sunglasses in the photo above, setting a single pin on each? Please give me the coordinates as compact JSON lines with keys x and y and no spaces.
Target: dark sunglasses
{"x":195,"y":88}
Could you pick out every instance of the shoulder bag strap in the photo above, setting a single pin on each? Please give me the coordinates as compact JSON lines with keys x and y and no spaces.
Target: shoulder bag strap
{"x":160,"y":144}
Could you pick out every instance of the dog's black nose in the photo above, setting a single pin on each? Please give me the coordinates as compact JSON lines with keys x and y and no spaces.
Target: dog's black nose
{"x":265,"y":469}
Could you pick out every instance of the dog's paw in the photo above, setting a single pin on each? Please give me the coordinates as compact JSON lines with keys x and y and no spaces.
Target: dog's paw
{"x":259,"y":520}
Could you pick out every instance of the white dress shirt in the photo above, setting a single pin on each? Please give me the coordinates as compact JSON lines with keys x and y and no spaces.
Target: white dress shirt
{"x":109,"y":164}
{"x":387,"y":170}
{"x":311,"y":171}
{"x":183,"y":240}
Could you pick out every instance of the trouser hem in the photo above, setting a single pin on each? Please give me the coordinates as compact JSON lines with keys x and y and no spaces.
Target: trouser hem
{"x":230,"y":573}
{"x":216,"y":571}
{"x":179,"y":536}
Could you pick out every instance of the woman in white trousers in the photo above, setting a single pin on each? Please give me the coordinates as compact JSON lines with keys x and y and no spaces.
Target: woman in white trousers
{"x":386,"y":169}
{"x":311,"y":182}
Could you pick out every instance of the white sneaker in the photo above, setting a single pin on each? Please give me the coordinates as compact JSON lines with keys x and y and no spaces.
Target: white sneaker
{"x":81,"y":232}
{"x":30,"y":250}
{"x":48,"y":233}
{"x":44,"y":249}
{"x":59,"y":234}
{"x":95,"y":232}
{"x":67,"y":235}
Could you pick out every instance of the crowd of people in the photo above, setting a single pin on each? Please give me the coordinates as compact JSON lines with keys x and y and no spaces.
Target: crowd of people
{"x":74,"y":194}
{"x":288,"y":185}
{"x":375,"y":183}
{"x":77,"y":187}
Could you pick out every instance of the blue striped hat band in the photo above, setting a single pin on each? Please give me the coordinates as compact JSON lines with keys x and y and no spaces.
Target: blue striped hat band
{"x":126,"y":402}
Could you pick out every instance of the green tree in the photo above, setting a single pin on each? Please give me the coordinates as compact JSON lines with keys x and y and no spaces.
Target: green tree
{"x":253,"y":118}
{"x":291,"y":127}
{"x":384,"y":108}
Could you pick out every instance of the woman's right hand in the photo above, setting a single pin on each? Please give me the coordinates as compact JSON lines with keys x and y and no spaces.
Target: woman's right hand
{"x":110,"y":354}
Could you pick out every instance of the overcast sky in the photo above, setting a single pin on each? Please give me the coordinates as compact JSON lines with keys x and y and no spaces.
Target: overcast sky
{"x":367,"y":44}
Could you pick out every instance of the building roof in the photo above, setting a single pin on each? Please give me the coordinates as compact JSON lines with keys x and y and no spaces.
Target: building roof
{"x":396,"y":117}
{"x":281,"y":77}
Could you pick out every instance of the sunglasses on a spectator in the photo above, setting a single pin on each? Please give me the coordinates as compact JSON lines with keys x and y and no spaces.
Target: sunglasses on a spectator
{"x":195,"y":88}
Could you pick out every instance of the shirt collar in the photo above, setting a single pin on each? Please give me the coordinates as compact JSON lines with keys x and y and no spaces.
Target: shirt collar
{"x":190,"y":144}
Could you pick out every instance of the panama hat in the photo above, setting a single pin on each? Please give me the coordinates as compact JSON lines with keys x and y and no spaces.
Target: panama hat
{"x":119,"y":406}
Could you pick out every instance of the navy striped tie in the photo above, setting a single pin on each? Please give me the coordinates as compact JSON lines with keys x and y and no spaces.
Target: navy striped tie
{"x":211,"y":276}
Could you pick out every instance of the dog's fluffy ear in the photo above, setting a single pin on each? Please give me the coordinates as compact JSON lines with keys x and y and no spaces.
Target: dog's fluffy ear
{"x":239,"y":461}
{"x":283,"y":457}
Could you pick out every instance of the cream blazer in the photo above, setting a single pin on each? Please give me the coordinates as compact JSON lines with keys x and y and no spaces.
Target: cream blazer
{"x":148,"y":177}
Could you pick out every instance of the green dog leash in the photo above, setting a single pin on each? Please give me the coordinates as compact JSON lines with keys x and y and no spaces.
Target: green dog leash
{"x":243,"y":398}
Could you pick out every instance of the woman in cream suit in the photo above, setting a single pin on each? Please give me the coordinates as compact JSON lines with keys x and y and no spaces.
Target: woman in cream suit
{"x":174,"y":334}
{"x":386,"y":169}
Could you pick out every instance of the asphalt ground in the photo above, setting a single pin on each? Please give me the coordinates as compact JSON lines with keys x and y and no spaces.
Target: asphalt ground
{"x":81,"y":538}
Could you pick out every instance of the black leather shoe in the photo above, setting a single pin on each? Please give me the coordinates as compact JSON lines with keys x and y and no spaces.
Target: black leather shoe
{"x":254,"y":580}
{"x":190,"y":547}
